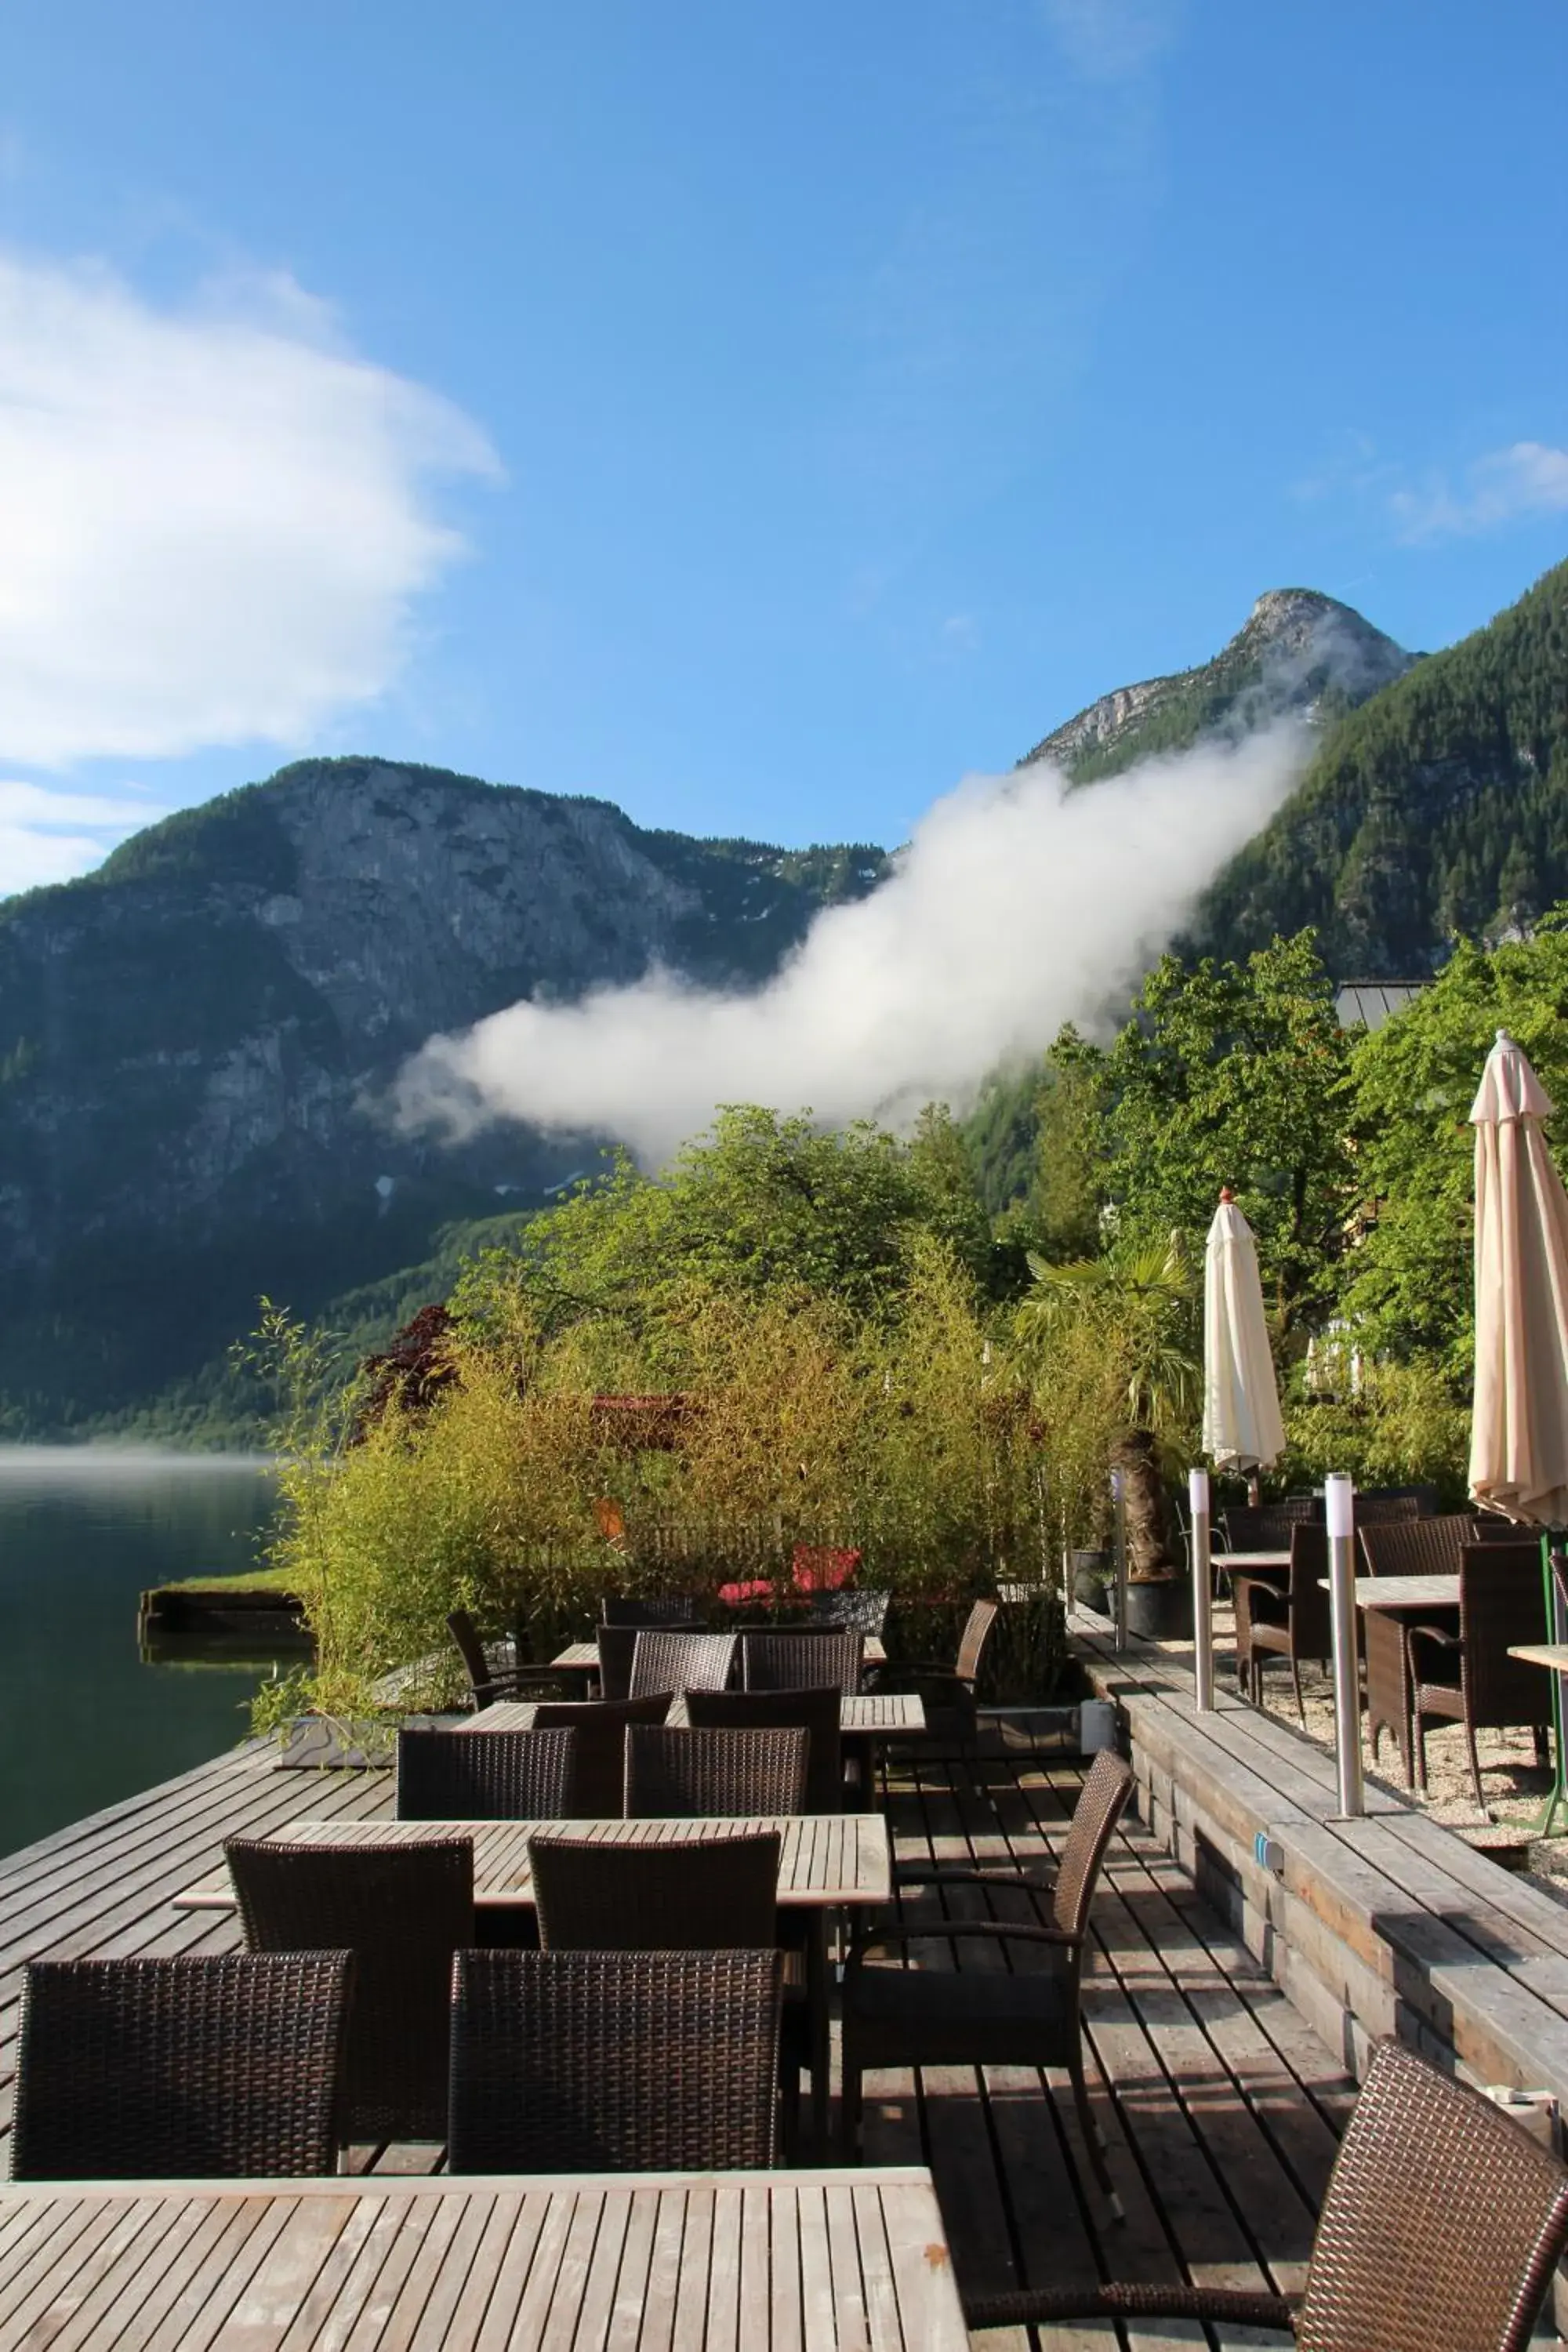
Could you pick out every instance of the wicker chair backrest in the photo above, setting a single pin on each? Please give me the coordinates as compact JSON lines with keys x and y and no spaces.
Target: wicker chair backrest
{"x":599,"y":1758}
{"x":688,"y":1774}
{"x":1416,"y":1547}
{"x":678,"y":1610}
{"x":1442,"y":2224}
{"x":1388,"y":1510}
{"x":615,"y":2062}
{"x":197,"y":2067}
{"x":705,"y":1895}
{"x":977,"y":1627}
{"x":1311,"y":1634}
{"x":402,"y":1911}
{"x":484,"y":1776}
{"x":813,"y":1710}
{"x":771,"y":1662}
{"x":1266,"y":1526}
{"x":1096,"y":1814}
{"x":617,"y":1647}
{"x":863,"y":1607}
{"x":663,"y":1661}
{"x":471,"y":1650}
{"x":1501,"y":1602}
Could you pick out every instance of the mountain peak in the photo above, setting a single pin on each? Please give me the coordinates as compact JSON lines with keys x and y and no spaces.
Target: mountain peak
{"x":1298,"y":650}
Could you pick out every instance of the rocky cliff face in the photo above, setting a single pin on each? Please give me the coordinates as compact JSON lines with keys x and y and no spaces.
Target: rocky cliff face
{"x":193,"y":1040}
{"x":1298,"y":651}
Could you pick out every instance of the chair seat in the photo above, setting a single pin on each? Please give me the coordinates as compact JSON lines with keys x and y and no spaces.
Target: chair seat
{"x":1266,"y":1635}
{"x":1441,"y":1698}
{"x":962,"y":2017}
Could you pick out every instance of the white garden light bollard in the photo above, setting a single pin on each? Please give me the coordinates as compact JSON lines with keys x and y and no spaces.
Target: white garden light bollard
{"x":1339,"y":1500}
{"x":1203,"y":1592}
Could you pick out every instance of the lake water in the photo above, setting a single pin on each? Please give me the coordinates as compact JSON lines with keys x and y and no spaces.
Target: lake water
{"x":84,"y":1719}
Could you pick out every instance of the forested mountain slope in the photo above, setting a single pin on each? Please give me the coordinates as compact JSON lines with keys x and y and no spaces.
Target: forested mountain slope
{"x":1440,"y":806}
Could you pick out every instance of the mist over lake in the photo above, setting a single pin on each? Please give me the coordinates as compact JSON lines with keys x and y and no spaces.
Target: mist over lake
{"x":84,"y":1719}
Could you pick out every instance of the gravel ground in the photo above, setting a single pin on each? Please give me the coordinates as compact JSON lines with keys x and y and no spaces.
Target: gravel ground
{"x":1515,"y":1786}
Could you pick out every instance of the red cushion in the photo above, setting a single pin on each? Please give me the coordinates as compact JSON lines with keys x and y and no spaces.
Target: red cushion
{"x":819,"y":1568}
{"x":735,"y":1596}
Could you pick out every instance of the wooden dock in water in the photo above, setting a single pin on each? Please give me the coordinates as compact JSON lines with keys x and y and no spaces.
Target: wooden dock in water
{"x":1220,"y":2105}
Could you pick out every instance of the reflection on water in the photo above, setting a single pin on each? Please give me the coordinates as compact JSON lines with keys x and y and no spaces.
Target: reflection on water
{"x":84,"y":1720}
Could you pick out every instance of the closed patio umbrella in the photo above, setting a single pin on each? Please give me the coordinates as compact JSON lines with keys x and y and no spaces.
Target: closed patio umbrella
{"x":1242,"y":1428}
{"x":1519,"y":1429}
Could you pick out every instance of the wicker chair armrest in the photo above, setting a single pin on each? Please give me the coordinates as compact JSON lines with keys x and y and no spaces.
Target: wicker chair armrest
{"x":1434,"y":1634}
{"x":940,"y":1670}
{"x":941,"y":1874}
{"x":946,"y":1931}
{"x":1038,"y":2306}
{"x":1268,"y":1586}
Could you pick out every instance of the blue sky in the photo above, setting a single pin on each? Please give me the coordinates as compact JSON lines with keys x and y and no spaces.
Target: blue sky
{"x":757,"y":416}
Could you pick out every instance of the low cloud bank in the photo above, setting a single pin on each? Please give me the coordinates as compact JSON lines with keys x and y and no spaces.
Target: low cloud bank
{"x":1018,"y":905}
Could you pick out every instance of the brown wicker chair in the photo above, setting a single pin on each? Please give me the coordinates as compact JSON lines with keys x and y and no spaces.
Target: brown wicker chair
{"x":948,"y":1691}
{"x":1292,"y":1622}
{"x":715,"y":1894}
{"x":816,"y":1712}
{"x":779,"y":1661}
{"x":700,"y":1896}
{"x":490,"y":1677}
{"x":1468,"y":1677}
{"x":861,"y":1608}
{"x":662,"y":1661}
{"x":484,"y":1776}
{"x":1441,"y":2229}
{"x":599,"y":1760}
{"x":200,"y":2068}
{"x":675,"y":1611}
{"x":616,"y":1646}
{"x":977,"y":2017}
{"x":691,"y":1775}
{"x":1395,"y":1507}
{"x":402,"y":1911}
{"x":1266,"y":1526}
{"x":1424,"y":1547}
{"x":615,"y":2062}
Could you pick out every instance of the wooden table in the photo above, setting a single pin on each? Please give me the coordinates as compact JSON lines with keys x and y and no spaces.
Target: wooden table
{"x":810,"y":2261}
{"x":888,"y":1714}
{"x":1255,"y":1562}
{"x":1389,"y":1604}
{"x":583,"y":1658}
{"x":826,"y":1859}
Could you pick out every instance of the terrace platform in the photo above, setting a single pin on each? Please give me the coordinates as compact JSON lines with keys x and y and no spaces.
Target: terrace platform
{"x":1220,"y":2103}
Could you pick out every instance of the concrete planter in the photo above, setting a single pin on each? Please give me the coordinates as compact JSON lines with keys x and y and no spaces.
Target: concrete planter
{"x":1161,"y":1610}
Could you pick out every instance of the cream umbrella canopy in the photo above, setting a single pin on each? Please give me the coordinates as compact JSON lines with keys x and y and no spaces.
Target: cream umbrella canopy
{"x":1242,"y":1427}
{"x":1519,"y":1430}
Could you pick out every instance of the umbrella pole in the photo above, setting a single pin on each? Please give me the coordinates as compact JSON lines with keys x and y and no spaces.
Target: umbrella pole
{"x":1203,"y":1592}
{"x":1557,"y":1802}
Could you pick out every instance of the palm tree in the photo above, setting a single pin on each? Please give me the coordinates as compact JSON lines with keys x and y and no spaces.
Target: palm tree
{"x":1139,"y":1302}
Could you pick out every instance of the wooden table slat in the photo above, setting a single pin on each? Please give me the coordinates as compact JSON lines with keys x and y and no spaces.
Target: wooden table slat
{"x":873,"y":1714}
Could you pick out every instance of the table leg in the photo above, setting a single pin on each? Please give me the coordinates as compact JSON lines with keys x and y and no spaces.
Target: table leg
{"x":1388,"y":1683}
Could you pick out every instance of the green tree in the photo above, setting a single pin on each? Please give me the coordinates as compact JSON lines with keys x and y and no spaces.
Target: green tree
{"x":1408,"y":1284}
{"x":1139,"y":1307}
{"x":1235,"y":1074}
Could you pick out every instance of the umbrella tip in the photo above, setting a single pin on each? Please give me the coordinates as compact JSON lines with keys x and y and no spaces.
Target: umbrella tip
{"x":1503,"y":1038}
{"x":1226,"y":1194}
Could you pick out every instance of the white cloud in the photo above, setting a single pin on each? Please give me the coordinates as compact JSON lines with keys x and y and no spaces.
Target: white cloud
{"x":215,"y":519}
{"x":49,"y":836}
{"x":1018,"y":904}
{"x":1505,"y":486}
{"x":1112,"y":40}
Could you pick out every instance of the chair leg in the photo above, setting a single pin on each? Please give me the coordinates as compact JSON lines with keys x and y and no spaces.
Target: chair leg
{"x":1475,"y":1763}
{"x":849,"y":2104}
{"x":1093,"y":2139}
{"x":1296,"y":1678}
{"x":1418,"y":1745}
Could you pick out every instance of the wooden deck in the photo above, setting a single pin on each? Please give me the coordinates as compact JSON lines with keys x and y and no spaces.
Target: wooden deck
{"x":1221,"y":2108}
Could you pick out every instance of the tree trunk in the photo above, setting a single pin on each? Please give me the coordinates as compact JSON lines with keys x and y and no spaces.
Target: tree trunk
{"x":1137,"y":1457}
